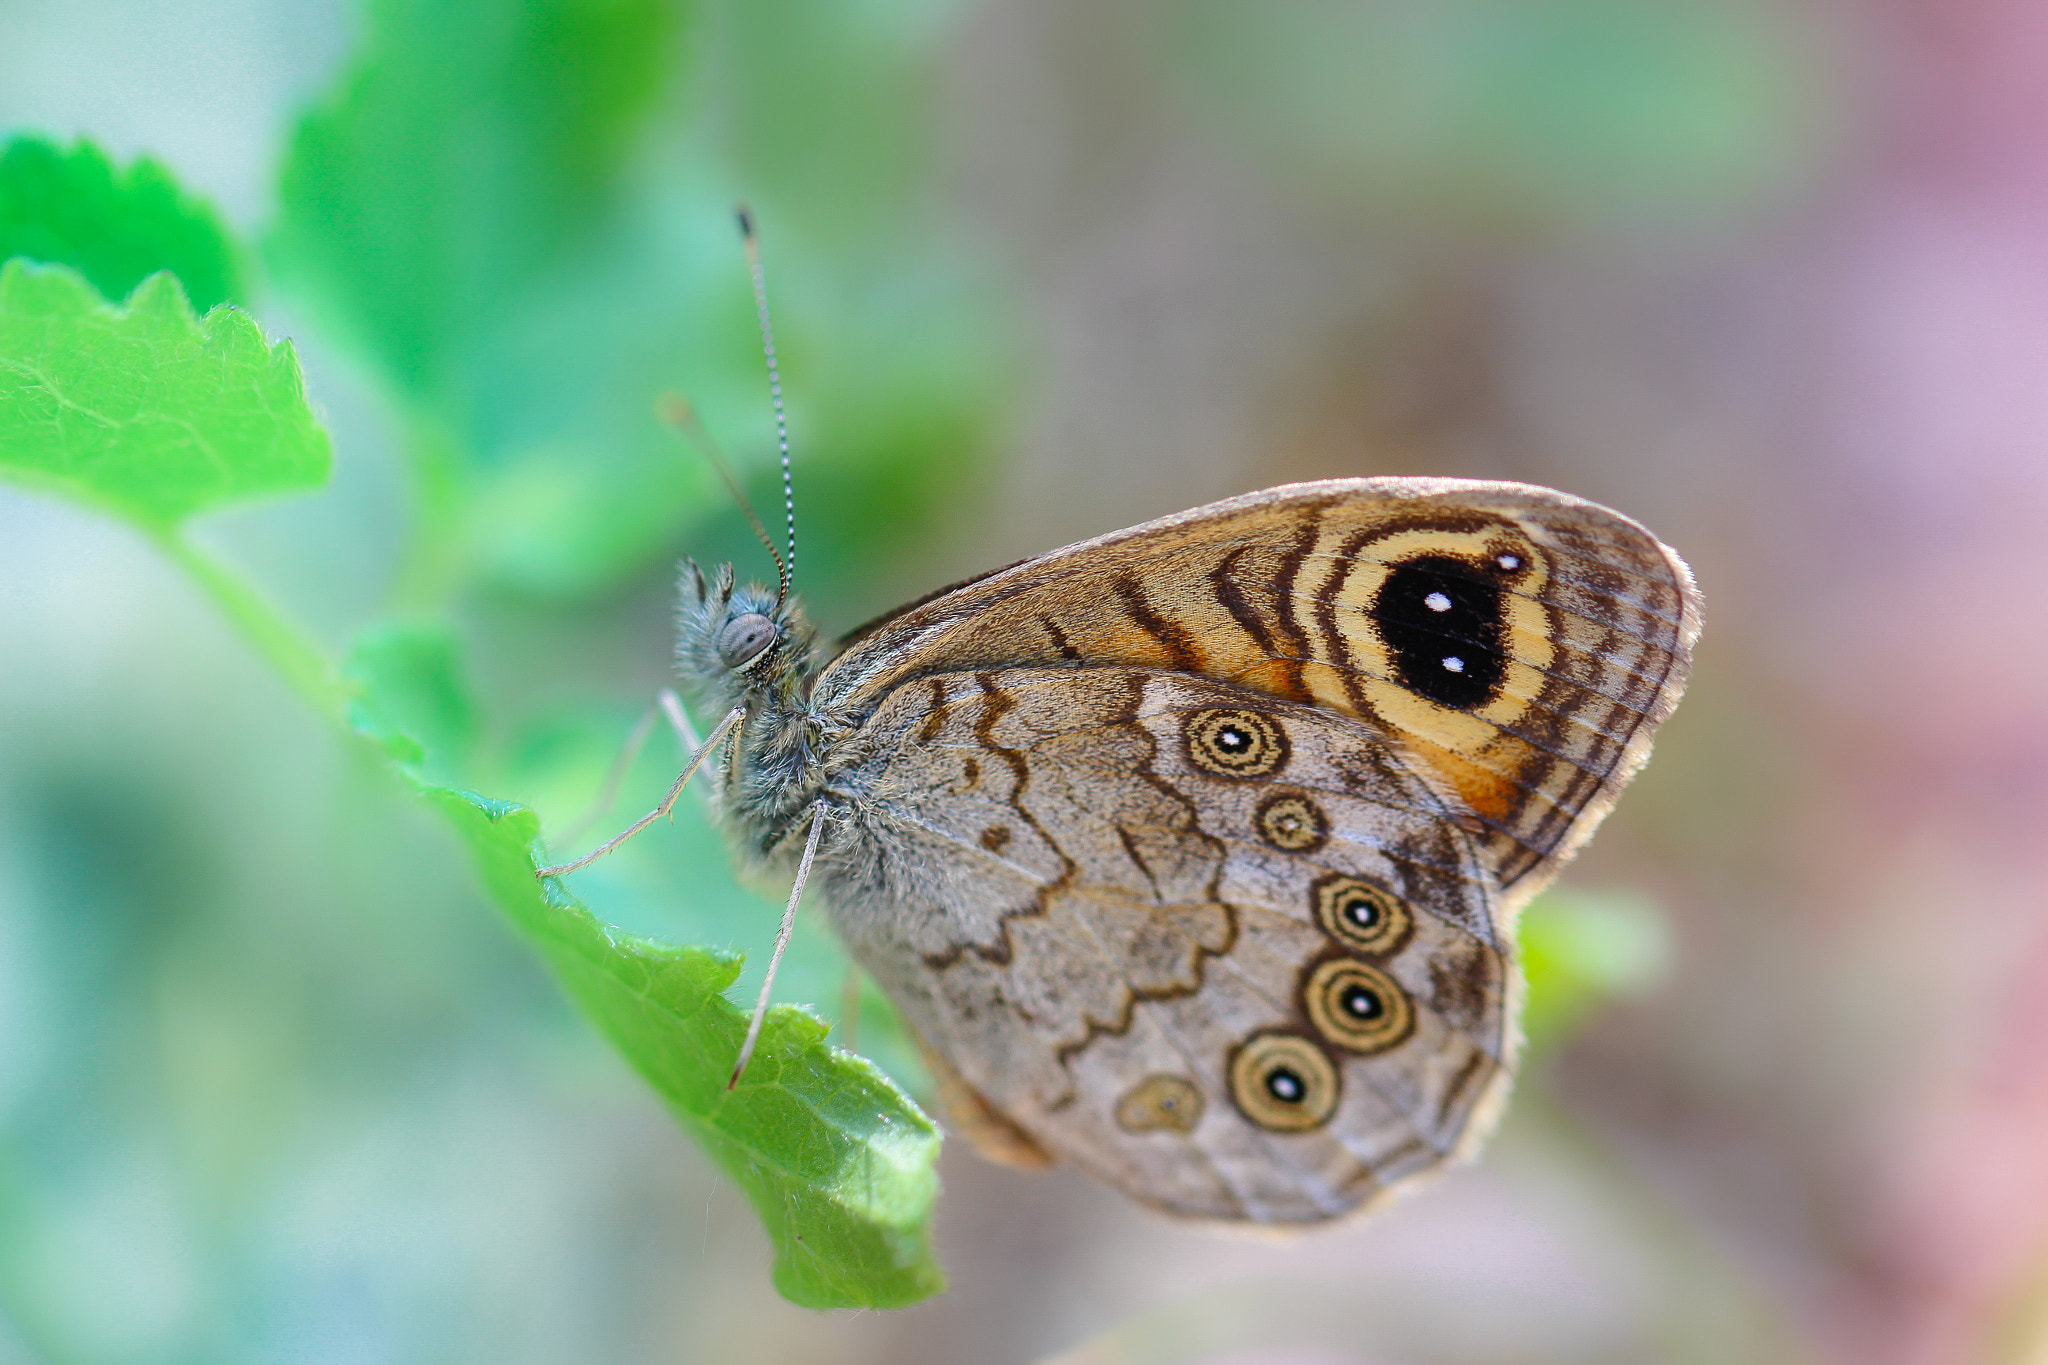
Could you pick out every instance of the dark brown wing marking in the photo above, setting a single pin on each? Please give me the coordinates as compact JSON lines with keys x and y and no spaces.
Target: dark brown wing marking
{"x":1296,"y":656}
{"x":1061,"y":643}
{"x":1182,"y":650}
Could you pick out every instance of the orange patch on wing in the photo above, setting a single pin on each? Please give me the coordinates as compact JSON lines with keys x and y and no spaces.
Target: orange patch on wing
{"x":1274,"y":677}
{"x":1490,"y":789}
{"x":1122,"y":642}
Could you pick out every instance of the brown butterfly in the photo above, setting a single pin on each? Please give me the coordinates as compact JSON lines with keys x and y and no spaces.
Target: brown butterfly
{"x":1193,"y":852}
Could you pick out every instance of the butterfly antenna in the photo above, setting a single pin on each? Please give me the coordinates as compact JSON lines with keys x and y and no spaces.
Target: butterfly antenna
{"x":678,"y":412}
{"x":752,"y":242}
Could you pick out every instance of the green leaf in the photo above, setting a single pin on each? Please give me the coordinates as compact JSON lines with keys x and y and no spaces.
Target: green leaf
{"x":1583,"y":948}
{"x":146,"y":410}
{"x":115,"y":228}
{"x":471,"y":147}
{"x":837,"y":1161}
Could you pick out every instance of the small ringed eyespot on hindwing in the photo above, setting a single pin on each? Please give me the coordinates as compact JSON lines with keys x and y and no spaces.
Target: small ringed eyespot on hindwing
{"x":1356,"y":1006}
{"x":1292,"y":823}
{"x":745,"y":639}
{"x":1232,"y":743}
{"x":1283,"y":1082}
{"x":1363,"y":917}
{"x":1160,"y":1103}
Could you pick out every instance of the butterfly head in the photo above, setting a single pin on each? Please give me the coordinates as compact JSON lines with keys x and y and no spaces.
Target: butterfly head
{"x":740,"y":644}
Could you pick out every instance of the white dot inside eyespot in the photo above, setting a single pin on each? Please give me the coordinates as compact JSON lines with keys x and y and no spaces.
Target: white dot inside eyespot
{"x":1437,"y":601}
{"x":1455,"y":664}
{"x":1509,"y":561}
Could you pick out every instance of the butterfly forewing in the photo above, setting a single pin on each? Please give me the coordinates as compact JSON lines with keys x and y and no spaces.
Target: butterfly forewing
{"x":1519,"y":645}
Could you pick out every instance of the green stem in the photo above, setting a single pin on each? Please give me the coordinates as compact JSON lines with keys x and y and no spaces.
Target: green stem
{"x":275,"y":636}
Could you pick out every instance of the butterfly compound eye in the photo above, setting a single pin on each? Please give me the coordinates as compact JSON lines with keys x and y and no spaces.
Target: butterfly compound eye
{"x":745,"y":639}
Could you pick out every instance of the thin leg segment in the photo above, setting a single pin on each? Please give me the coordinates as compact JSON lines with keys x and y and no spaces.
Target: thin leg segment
{"x":642,"y":728}
{"x":672,"y":707}
{"x":796,"y":893}
{"x":665,"y":702}
{"x":718,"y":733}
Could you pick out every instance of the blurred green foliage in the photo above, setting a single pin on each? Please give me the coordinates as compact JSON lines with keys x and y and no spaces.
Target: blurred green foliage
{"x":1581,"y":949}
{"x":519,"y":212}
{"x":467,"y":153}
{"x":71,"y":208}
{"x":408,"y":696}
{"x":147,"y":412}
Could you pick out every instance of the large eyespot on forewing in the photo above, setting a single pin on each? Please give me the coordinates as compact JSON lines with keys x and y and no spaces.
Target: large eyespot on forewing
{"x":1445,"y":626}
{"x":745,"y":639}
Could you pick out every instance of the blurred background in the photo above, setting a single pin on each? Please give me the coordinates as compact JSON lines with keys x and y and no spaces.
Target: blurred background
{"x":277,"y":1084}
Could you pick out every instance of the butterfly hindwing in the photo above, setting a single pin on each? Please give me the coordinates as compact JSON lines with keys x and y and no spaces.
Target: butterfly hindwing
{"x":1226,"y":951}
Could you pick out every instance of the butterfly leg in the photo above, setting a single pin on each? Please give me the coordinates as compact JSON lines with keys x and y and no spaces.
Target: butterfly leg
{"x":671,"y":706}
{"x":679,"y":720}
{"x":796,"y":893}
{"x":718,"y":734}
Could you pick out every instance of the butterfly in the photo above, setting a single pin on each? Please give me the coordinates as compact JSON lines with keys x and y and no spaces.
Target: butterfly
{"x":1192,"y":853}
